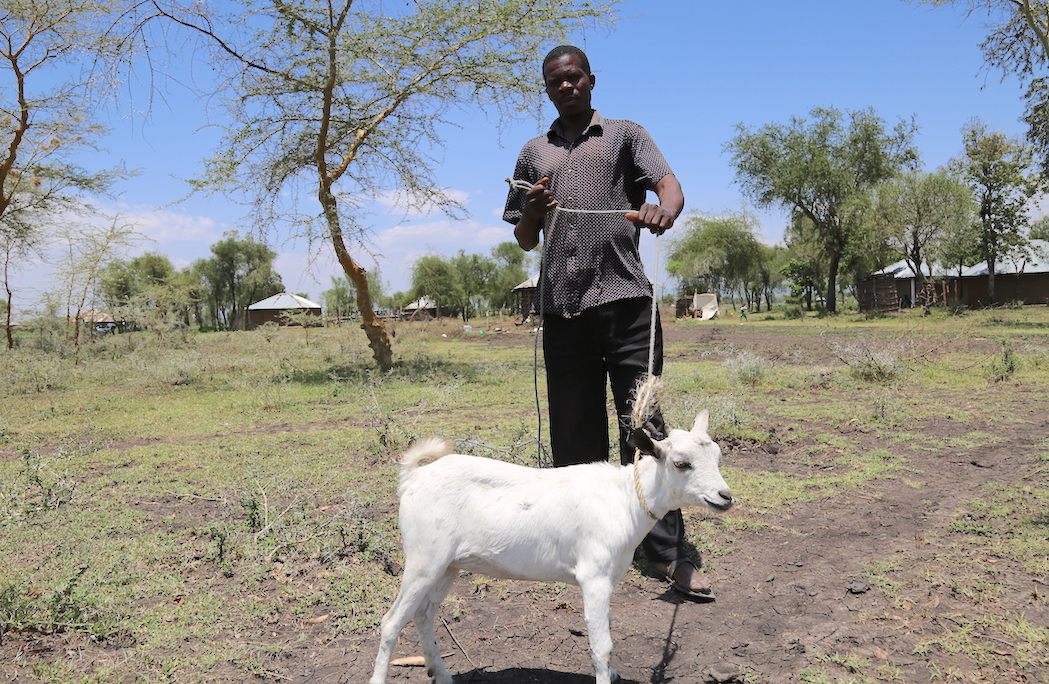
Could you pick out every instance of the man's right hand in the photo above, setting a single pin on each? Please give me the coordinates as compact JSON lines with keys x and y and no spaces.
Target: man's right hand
{"x":539,"y":201}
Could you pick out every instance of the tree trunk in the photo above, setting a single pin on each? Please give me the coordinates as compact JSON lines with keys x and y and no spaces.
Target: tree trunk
{"x":374,"y":328}
{"x":7,"y":316}
{"x":991,"y":264}
{"x":7,"y":322}
{"x":832,"y":281}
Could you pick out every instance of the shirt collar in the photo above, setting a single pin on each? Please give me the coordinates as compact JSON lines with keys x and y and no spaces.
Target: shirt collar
{"x":596,"y":125}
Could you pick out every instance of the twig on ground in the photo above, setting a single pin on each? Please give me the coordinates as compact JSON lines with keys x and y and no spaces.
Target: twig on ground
{"x":456,"y":642}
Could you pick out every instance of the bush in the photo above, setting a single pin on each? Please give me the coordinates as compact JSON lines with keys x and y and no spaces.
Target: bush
{"x":748,"y":368}
{"x":870,"y":362}
{"x":1003,"y":367}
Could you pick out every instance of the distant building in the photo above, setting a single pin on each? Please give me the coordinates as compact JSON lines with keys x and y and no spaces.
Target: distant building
{"x":526,"y":295}
{"x":269,"y":310}
{"x":1016,"y":280}
{"x":422,"y":309}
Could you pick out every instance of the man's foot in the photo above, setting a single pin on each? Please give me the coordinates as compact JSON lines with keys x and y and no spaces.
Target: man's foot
{"x":685,"y":578}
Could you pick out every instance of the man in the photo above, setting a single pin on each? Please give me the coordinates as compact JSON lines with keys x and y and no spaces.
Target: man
{"x":593,"y":294}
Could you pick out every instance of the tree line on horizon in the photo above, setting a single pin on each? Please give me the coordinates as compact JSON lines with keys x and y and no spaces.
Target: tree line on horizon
{"x":334,"y":101}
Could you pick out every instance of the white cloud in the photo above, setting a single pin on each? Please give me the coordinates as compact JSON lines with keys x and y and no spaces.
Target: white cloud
{"x":164,"y":226}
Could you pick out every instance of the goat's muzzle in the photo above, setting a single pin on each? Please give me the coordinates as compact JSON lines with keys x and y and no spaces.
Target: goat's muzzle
{"x":725,"y":502}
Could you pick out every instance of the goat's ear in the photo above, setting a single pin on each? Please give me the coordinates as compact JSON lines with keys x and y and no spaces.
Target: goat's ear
{"x":647,"y":445}
{"x":702,"y":422}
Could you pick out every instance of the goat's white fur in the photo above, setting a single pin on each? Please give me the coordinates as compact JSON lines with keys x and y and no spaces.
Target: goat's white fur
{"x":578,"y":524}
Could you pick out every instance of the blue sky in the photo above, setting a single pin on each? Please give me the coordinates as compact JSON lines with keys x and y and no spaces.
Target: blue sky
{"x":687,"y":70}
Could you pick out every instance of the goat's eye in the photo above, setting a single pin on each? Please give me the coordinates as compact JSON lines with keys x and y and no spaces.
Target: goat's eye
{"x":682,"y":465}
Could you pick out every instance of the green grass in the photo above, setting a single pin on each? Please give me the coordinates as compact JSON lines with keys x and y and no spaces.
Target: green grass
{"x":161,"y":494}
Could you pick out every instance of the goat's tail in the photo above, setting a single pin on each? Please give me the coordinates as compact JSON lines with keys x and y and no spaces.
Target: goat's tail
{"x":423,"y":452}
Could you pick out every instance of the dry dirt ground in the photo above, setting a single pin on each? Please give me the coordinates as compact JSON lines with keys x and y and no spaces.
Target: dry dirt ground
{"x":790,"y":594}
{"x":787,"y":594}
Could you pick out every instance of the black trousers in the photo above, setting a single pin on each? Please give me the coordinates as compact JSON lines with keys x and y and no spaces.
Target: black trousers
{"x":605,"y":345}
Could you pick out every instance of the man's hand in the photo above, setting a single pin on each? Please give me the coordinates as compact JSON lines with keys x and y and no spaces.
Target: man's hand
{"x":539,"y":201}
{"x":659,"y":218}
{"x":654,"y":217}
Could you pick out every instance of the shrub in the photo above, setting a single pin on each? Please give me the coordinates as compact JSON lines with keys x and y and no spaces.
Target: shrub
{"x":748,"y":368}
{"x":869,"y":361}
{"x":1003,"y":367}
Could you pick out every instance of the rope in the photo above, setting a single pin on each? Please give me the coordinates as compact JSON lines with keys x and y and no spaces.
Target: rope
{"x":518,"y":184}
{"x":637,"y":487}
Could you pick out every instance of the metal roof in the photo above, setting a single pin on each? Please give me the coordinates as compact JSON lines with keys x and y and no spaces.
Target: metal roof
{"x":531,"y":283}
{"x":1036,"y":262}
{"x":281,"y":301}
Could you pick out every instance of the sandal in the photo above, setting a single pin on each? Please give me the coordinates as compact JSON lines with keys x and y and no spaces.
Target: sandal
{"x":697,"y":596}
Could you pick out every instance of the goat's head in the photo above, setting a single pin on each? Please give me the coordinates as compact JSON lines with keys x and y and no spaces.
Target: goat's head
{"x":690,"y":465}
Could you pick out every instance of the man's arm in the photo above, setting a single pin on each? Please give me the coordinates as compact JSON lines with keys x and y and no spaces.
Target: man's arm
{"x":659,"y":218}
{"x":539,"y":201}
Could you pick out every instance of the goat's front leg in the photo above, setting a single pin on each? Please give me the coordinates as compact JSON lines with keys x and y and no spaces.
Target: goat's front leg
{"x":597,"y":597}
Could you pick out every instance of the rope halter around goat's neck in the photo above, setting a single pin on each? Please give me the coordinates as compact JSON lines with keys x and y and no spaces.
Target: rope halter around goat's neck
{"x":647,"y":396}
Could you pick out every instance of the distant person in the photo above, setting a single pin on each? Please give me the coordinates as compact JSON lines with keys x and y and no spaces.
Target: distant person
{"x":594,"y":297}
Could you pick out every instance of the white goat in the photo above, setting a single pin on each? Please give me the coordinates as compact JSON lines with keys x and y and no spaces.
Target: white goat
{"x":578,"y":524}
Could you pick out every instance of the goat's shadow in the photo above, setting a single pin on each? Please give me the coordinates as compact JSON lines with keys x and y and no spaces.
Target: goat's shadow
{"x":528,"y":675}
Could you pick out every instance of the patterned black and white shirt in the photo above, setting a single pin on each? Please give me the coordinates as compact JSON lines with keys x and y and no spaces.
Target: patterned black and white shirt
{"x":590,"y":259}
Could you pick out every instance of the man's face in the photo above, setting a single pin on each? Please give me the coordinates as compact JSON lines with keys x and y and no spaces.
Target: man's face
{"x":568,"y":85}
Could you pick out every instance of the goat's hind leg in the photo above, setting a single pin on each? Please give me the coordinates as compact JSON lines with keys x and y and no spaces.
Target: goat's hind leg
{"x":424,"y":624}
{"x":415,"y":588}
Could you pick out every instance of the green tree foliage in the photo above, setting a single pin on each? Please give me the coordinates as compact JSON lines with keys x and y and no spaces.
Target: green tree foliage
{"x":510,"y":272}
{"x":476,"y":274}
{"x":1040,"y":229}
{"x":239,"y":273}
{"x":436,"y":278}
{"x":348,"y":98}
{"x":823,"y":169}
{"x":998,"y":169}
{"x":718,"y":253}
{"x":147,"y":292}
{"x":918,"y":211}
{"x":51,"y":55}
{"x":805,"y":269}
{"x":123,"y":281}
{"x":339,"y":300}
{"x":469,"y":283}
{"x":1017,"y":43}
{"x":768,"y":276}
{"x":85,"y":253}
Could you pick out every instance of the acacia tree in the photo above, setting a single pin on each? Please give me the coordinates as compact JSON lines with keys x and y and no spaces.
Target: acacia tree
{"x":1017,"y":43}
{"x":47,"y":90}
{"x":509,"y":272}
{"x":86,"y":252}
{"x":823,"y":170}
{"x":437,"y":279}
{"x":348,"y":97}
{"x":918,"y":210}
{"x":999,"y":171}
